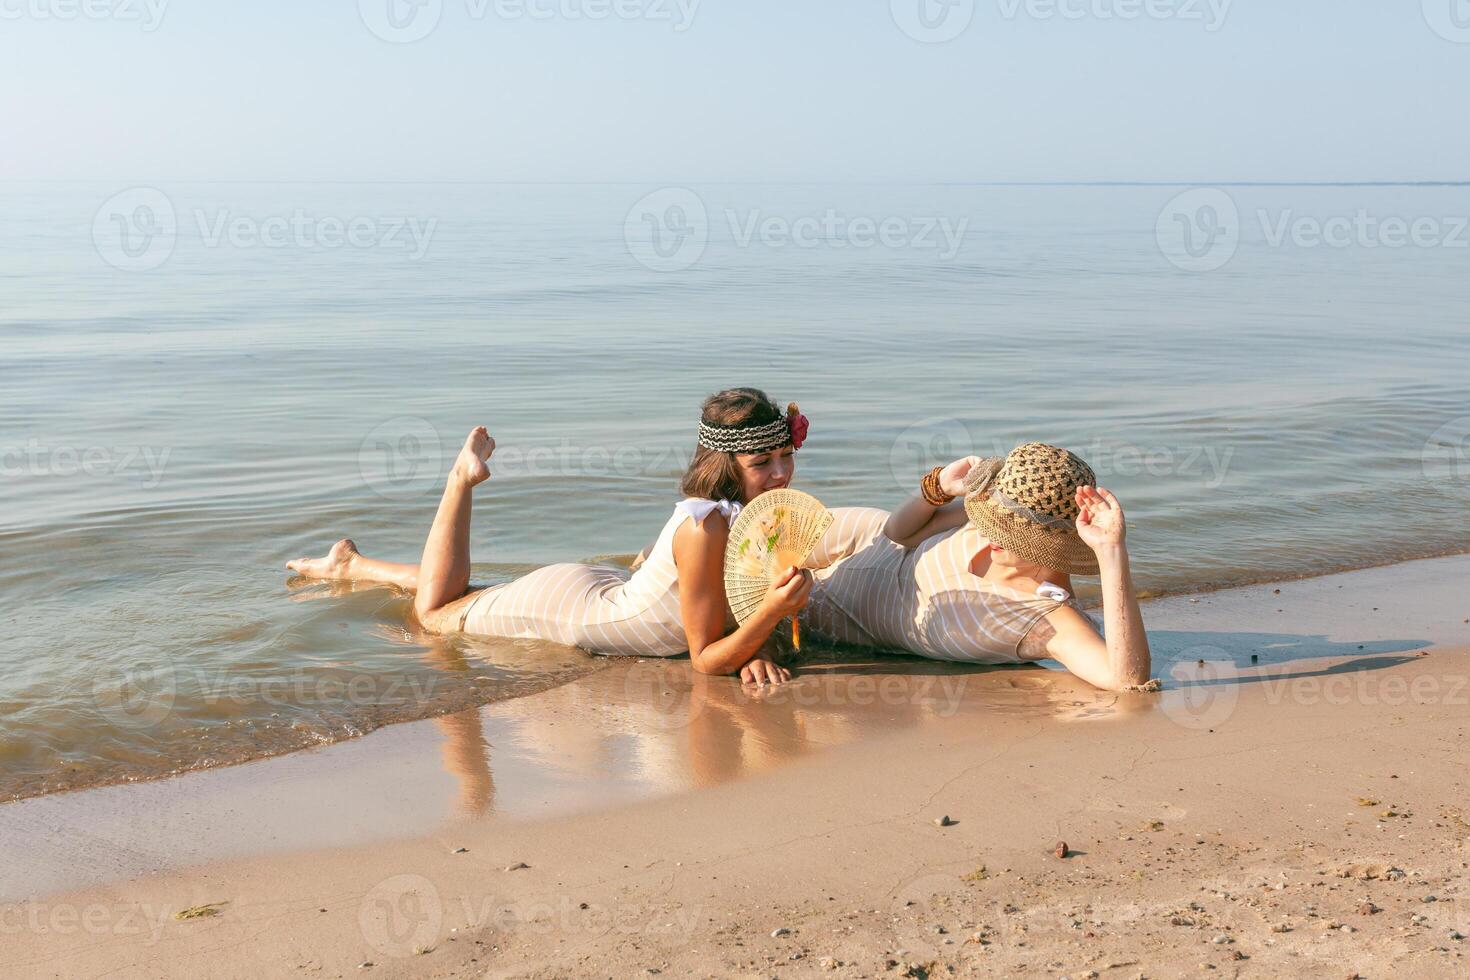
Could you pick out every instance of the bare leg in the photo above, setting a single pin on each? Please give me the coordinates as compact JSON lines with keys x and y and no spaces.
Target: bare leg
{"x":444,"y":570}
{"x":344,"y":561}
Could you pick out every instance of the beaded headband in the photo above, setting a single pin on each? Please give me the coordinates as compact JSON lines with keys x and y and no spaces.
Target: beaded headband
{"x":789,"y":430}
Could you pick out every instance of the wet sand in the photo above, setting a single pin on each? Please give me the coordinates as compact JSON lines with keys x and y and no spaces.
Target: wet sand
{"x":673,"y":823}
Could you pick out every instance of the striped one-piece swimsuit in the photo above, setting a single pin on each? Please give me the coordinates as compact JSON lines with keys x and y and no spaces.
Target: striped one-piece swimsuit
{"x":873,"y":592}
{"x":600,"y":608}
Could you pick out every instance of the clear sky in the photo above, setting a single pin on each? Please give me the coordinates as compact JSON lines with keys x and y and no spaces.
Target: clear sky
{"x":710,"y":90}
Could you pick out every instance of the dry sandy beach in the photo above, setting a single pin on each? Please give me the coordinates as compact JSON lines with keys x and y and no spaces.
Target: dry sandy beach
{"x":1293,"y":803}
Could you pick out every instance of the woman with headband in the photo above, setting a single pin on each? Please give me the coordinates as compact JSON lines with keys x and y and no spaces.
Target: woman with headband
{"x":674,"y":598}
{"x":977,"y":568}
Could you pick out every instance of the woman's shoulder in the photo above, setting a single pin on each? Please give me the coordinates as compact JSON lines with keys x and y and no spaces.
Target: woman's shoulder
{"x":699,"y":509}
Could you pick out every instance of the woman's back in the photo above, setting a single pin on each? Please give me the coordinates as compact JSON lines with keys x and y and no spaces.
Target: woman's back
{"x":601,"y":608}
{"x":924,"y":600}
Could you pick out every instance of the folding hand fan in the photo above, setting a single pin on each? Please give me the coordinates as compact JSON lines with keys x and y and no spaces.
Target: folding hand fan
{"x":777,"y":530}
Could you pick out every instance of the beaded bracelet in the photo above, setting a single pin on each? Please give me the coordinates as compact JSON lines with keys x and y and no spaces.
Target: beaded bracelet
{"x":934,"y":494}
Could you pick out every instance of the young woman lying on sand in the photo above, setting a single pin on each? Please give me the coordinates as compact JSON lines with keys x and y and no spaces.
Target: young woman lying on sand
{"x":673,"y":601}
{"x":976,"y":568}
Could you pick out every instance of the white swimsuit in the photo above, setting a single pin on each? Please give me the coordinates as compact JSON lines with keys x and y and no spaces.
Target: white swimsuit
{"x":600,"y":608}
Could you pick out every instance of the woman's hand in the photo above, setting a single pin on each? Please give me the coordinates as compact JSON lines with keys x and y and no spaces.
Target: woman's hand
{"x":952,"y":477}
{"x":1099,"y":518}
{"x":788,"y":593}
{"x":763,"y":671}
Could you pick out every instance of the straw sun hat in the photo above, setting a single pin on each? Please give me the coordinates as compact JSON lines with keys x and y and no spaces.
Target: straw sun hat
{"x":1027,"y":504}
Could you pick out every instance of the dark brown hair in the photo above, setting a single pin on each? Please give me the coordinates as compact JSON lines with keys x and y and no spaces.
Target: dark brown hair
{"x":714,"y":475}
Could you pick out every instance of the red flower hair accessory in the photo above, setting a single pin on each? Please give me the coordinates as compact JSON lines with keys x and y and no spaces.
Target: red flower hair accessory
{"x":798,"y":424}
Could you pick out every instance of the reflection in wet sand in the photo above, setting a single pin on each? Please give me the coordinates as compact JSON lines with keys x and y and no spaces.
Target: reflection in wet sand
{"x":467,"y":759}
{"x":645,"y":727}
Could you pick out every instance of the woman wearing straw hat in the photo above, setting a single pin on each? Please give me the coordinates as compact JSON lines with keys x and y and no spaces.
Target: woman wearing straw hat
{"x":673,"y":600}
{"x":977,"y":568}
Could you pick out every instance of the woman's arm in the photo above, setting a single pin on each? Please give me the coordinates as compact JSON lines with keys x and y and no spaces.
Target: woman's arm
{"x":1122,"y":659}
{"x":699,"y":555}
{"x":918,"y":519}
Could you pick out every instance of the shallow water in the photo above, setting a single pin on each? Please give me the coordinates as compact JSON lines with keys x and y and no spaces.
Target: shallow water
{"x":172,"y":435}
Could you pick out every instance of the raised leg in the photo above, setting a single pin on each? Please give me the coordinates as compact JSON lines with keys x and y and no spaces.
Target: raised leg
{"x":444,"y":570}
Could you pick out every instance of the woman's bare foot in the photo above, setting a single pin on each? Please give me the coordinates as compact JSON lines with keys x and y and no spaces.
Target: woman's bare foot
{"x":336,"y":565}
{"x":470,"y":465}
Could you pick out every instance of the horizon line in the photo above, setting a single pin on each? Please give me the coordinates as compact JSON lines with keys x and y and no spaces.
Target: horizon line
{"x":667,"y":183}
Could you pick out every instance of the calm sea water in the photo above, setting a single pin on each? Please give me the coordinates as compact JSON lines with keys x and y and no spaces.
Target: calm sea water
{"x":204,"y":380}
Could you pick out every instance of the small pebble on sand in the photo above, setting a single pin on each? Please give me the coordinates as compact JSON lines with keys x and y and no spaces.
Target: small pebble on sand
{"x":517,"y":866}
{"x":1060,"y":849}
{"x":777,"y":933}
{"x":943,"y":822}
